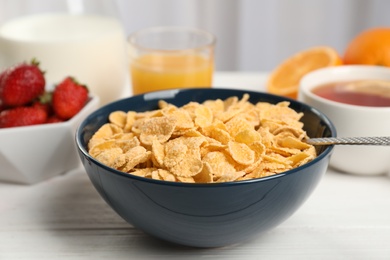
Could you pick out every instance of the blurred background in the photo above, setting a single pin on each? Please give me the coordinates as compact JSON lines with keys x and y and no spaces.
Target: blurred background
{"x":252,"y":35}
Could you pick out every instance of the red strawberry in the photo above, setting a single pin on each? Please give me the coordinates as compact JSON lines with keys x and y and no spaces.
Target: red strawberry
{"x":44,"y":106}
{"x":2,"y":74}
{"x":2,"y":105}
{"x":22,"y":116}
{"x":54,"y":119}
{"x":21,"y":84}
{"x":44,"y":102}
{"x":69,"y":97}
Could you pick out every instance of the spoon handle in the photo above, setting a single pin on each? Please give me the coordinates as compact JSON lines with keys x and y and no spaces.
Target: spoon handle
{"x":380,"y":140}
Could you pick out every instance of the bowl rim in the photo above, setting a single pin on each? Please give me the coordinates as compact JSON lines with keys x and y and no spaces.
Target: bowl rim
{"x":306,"y":90}
{"x":326,"y":152}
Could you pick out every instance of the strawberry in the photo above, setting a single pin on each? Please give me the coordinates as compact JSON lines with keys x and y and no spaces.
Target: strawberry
{"x":69,"y":97}
{"x":22,"y":116}
{"x":21,"y":84}
{"x":44,"y":106}
{"x":54,"y":119}
{"x":44,"y":102}
{"x":2,"y":107}
{"x":2,"y":74}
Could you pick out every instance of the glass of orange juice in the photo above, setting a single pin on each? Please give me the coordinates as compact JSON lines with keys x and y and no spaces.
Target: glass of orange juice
{"x":171,"y":57}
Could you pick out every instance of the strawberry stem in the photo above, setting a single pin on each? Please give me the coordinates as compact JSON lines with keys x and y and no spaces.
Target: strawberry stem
{"x":46,"y":97}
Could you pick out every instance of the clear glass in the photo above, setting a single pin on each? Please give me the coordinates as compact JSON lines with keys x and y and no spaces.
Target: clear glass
{"x":170,"y":57}
{"x":83,"y":39}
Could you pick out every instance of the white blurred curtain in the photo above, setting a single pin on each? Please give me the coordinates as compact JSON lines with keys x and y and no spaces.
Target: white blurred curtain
{"x":253,"y":35}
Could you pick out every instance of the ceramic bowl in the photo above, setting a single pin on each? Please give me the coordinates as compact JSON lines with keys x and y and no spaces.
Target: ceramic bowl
{"x":31,"y":154}
{"x":204,"y":215}
{"x":352,"y":120}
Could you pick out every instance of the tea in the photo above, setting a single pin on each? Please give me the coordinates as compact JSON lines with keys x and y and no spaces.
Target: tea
{"x":373,"y":93}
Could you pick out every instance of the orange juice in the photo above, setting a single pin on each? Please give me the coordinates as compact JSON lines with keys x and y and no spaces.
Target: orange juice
{"x":157,"y":71}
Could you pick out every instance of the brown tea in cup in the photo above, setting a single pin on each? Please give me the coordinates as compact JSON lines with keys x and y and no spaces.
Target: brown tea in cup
{"x":374,"y":93}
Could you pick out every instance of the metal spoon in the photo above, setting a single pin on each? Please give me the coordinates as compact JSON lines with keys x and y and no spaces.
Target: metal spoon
{"x":379,"y":140}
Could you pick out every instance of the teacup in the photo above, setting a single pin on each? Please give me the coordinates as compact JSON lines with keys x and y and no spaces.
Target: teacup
{"x":353,"y":120}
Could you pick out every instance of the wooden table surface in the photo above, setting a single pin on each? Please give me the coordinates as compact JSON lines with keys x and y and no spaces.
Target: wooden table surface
{"x":347,"y":217}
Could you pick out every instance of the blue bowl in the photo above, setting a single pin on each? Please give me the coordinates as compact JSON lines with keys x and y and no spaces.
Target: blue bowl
{"x":204,"y":215}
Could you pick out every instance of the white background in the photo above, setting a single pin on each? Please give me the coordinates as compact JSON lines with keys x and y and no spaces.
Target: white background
{"x":253,"y":35}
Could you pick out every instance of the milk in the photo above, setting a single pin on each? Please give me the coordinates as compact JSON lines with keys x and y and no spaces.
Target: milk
{"x":90,"y":48}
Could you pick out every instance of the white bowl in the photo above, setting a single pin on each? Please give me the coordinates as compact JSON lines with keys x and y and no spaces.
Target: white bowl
{"x":352,"y":120}
{"x":30,"y":154}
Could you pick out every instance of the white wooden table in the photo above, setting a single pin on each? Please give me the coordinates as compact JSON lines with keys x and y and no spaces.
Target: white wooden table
{"x":347,"y":217}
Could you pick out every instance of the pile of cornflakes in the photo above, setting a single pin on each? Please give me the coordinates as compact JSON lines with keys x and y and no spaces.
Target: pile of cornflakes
{"x":209,"y":142}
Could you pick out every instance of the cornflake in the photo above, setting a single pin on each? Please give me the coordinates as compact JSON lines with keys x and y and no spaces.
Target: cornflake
{"x":210,"y":142}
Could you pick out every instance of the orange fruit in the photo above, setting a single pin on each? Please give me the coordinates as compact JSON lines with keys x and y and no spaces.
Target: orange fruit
{"x":284,"y":79}
{"x":370,"y":47}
